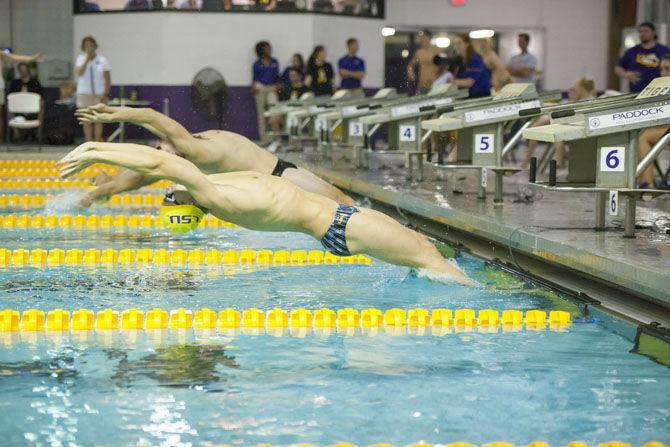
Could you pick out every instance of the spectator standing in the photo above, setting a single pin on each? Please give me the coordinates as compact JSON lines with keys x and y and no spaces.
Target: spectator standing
{"x":27,"y":84}
{"x":642,"y":63}
{"x":320,"y":75}
{"x":6,"y":56}
{"x":352,"y":69}
{"x":424,"y":58}
{"x":265,"y":85}
{"x":472,"y":74}
{"x":523,"y":66}
{"x":94,"y":81}
{"x":499,"y":74}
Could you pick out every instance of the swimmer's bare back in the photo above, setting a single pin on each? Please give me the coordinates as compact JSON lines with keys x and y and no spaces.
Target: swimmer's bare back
{"x":242,"y":154}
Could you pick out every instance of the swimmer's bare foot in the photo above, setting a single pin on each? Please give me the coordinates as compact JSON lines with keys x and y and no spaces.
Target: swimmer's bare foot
{"x":451,"y":274}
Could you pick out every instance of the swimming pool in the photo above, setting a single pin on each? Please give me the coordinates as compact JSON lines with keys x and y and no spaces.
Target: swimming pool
{"x":189,"y":387}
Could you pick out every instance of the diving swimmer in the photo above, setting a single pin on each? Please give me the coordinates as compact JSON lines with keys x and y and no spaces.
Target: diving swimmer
{"x":263,"y":202}
{"x":212,"y":151}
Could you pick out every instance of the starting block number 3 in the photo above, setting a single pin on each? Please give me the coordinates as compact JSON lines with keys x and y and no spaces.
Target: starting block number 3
{"x":612,"y":159}
{"x":407,"y":133}
{"x":355,"y":129}
{"x":484,"y":143}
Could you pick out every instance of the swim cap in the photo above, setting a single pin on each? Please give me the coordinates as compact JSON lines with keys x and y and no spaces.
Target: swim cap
{"x":179,"y":212}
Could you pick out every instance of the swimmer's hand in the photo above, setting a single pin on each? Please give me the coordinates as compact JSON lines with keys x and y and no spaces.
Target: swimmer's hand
{"x":76,"y":160}
{"x":86,"y":201}
{"x":100,"y":113}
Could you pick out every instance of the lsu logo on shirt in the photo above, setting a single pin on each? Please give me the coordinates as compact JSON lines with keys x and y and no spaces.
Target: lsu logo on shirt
{"x":322,"y":77}
{"x":648,"y":60}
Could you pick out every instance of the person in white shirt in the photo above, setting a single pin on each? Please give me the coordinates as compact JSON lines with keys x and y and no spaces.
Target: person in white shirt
{"x":6,"y":56}
{"x":523,"y":66}
{"x":94,"y":81}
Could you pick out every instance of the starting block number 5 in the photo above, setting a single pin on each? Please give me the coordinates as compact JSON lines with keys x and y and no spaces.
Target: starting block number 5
{"x":484,"y":143}
{"x":407,"y":133}
{"x":355,"y":129}
{"x":612,"y":159}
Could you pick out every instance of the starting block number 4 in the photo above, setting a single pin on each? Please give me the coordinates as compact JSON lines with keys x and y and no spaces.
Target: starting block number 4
{"x":355,"y":129}
{"x":484,"y":143}
{"x":407,"y":133}
{"x":613,"y":203}
{"x":612,"y":159}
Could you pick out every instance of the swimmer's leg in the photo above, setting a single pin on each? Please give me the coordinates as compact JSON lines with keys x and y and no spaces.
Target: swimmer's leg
{"x":378,"y":235}
{"x":310,"y":182}
{"x":646,"y":141}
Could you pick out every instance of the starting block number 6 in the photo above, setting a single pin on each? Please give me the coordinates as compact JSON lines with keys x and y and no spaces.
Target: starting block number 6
{"x":613,"y":203}
{"x":612,"y":159}
{"x":484,"y":143}
{"x":407,"y":133}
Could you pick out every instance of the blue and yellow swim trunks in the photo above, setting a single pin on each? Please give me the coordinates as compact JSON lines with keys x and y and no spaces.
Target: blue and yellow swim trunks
{"x":335,"y":240}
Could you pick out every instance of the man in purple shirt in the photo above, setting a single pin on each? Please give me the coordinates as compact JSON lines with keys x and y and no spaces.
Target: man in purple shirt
{"x":352,"y":69}
{"x":640,"y":64}
{"x":265,"y":86}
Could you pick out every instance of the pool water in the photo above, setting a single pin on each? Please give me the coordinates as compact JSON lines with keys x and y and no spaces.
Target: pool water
{"x":207,"y":388}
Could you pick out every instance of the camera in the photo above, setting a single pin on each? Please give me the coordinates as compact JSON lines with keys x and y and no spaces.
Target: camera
{"x":451,"y":63}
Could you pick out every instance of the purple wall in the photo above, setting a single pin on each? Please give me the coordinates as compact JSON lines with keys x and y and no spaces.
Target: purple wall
{"x":240,"y":114}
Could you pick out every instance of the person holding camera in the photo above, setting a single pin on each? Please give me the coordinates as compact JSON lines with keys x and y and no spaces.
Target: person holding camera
{"x":94,"y":82}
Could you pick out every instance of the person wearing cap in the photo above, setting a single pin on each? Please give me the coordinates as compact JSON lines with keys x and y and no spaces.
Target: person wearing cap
{"x":264,"y":202}
{"x":213,"y":151}
{"x":642,"y":63}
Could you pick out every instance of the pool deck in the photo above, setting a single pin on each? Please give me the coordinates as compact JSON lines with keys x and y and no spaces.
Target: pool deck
{"x":555,"y":227}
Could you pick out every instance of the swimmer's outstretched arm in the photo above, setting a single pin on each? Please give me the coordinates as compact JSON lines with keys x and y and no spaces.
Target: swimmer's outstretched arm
{"x":123,"y":181}
{"x":155,"y":122}
{"x":147,"y":162}
{"x":102,"y":113}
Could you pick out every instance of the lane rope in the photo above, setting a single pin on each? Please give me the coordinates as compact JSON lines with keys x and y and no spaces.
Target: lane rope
{"x":485,"y":320}
{"x":31,"y":201}
{"x":95,"y":222}
{"x":41,"y":258}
